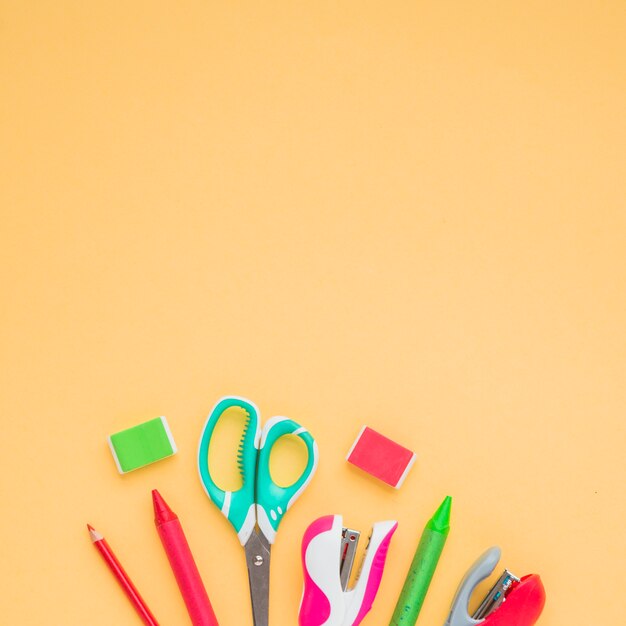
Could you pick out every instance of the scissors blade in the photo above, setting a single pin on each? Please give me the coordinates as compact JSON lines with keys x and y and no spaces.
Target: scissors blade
{"x":258,"y":561}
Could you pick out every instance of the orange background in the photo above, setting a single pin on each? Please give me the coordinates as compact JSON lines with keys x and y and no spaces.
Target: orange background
{"x":406,"y":214}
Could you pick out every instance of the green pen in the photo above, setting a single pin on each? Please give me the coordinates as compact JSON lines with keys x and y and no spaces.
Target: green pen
{"x":423,"y":567}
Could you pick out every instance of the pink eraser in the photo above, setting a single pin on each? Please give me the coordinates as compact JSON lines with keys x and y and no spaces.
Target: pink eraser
{"x":381,"y":457}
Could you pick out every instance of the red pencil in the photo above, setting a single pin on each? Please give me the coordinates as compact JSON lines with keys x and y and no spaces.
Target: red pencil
{"x":184,"y":567}
{"x":122,"y":577}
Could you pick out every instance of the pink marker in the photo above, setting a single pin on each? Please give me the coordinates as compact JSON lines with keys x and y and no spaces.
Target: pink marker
{"x":184,"y":567}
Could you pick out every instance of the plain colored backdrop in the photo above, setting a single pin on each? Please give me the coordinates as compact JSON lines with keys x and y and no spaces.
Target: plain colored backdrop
{"x":405,"y":214}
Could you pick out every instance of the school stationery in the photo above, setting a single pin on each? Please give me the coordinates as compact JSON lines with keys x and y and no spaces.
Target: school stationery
{"x":381,"y":457}
{"x":257,"y":508}
{"x":183,"y":564}
{"x":511,"y":601}
{"x":142,"y":444}
{"x":328,"y":551}
{"x":423,"y":567}
{"x":122,"y":577}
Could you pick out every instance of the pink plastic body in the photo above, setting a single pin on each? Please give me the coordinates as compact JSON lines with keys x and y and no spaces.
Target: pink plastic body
{"x":315,"y":606}
{"x":324,"y":602}
{"x":523,"y":605}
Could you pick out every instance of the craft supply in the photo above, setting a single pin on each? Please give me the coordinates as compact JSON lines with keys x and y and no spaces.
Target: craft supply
{"x":257,"y":508}
{"x":328,"y":552}
{"x":142,"y":444}
{"x":122,"y":577}
{"x":423,"y":567}
{"x":511,"y":601}
{"x":381,"y":457}
{"x":183,"y":564}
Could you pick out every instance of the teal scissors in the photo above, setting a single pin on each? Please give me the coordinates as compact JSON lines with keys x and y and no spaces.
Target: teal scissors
{"x":257,"y":508}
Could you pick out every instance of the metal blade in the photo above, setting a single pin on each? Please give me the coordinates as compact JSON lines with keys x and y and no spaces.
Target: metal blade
{"x":258,"y":561}
{"x":349,"y":543}
{"x":497,"y":595}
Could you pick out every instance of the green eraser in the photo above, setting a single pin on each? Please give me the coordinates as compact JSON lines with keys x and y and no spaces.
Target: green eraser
{"x":142,"y":444}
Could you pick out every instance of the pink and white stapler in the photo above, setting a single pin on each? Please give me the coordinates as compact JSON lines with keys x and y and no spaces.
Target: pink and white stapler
{"x":328,"y":551}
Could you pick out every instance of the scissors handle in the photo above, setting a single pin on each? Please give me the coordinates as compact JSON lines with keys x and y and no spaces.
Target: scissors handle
{"x":237,"y":506}
{"x":272,"y":499}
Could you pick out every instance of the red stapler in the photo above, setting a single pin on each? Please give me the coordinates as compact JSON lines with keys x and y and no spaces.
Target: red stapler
{"x":511,"y":601}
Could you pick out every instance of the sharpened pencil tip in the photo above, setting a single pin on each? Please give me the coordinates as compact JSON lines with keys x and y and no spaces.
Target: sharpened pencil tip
{"x":94,"y":534}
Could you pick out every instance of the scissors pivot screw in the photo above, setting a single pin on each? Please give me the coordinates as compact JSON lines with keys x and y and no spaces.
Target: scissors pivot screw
{"x":258,"y":560}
